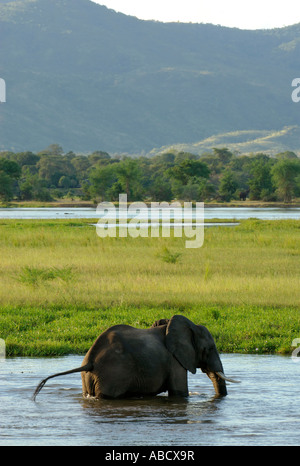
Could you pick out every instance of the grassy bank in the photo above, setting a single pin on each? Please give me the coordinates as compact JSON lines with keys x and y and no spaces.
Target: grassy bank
{"x":31,"y":331}
{"x":61,"y":285}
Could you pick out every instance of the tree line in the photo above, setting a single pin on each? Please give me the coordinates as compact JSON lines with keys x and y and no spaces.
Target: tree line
{"x":219,"y":175}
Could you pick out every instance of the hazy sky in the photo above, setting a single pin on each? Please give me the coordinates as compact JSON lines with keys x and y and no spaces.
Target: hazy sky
{"x":244,"y":14}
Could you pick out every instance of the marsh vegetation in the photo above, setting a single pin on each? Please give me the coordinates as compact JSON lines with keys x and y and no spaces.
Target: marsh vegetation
{"x":61,"y":285}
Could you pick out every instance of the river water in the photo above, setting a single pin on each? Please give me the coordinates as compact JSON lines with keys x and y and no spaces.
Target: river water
{"x":238,"y":213}
{"x":262,"y":410}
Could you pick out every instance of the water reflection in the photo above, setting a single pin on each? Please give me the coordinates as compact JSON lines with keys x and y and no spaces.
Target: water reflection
{"x":154,"y":420}
{"x":159,"y":409}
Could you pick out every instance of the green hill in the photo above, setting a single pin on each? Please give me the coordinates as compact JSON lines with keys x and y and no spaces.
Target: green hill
{"x":88,"y":78}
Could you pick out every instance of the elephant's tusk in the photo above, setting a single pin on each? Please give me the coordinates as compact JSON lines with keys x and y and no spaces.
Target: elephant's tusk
{"x":222,"y":376}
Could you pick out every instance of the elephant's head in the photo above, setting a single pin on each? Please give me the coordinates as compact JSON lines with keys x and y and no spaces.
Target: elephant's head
{"x":194,"y":347}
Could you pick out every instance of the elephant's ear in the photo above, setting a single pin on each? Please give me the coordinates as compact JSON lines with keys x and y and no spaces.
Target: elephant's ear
{"x":179,"y":341}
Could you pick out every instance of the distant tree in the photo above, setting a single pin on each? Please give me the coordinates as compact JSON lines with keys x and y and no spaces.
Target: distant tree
{"x":261,"y":180}
{"x":6,"y":186}
{"x":26,"y":190}
{"x":70,"y":154}
{"x":25,"y":158}
{"x":57,"y":194}
{"x":167,"y":158}
{"x":43,"y":195}
{"x":181,"y":156}
{"x":71,"y":195}
{"x":64,"y":182}
{"x":115,"y":190}
{"x":10,"y":167}
{"x":213,"y":163}
{"x":34,"y":188}
{"x":286,"y":155}
{"x":101,"y":180}
{"x":191,"y":191}
{"x":177,"y":188}
{"x":53,"y":149}
{"x":161,"y":189}
{"x":228,"y":185}
{"x":155,"y":177}
{"x":297,"y":186}
{"x":82,"y":166}
{"x":53,"y":167}
{"x":189,"y":168}
{"x":7,"y":154}
{"x":86,"y":190}
{"x":206,"y":190}
{"x":259,"y":156}
{"x":128,"y":172}
{"x":223,"y":154}
{"x":99,"y":157}
{"x":284,"y":175}
{"x":10,"y":171}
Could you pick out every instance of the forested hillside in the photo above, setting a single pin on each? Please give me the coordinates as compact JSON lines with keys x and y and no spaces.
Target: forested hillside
{"x":92,"y":79}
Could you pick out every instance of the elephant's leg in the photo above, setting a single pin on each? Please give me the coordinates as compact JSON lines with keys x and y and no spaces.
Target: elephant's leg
{"x":177,"y":382}
{"x":88,"y":384}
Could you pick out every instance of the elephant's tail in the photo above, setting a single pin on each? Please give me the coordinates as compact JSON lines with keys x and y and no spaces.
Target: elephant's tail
{"x":87,"y":367}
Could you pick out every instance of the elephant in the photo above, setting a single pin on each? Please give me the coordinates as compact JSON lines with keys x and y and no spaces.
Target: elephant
{"x":243,"y":195}
{"x":127,"y":362}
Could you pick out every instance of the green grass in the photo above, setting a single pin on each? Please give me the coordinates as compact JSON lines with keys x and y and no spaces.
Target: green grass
{"x":35,"y":275}
{"x":58,"y":331}
{"x":169,"y":257}
{"x":61,"y":285}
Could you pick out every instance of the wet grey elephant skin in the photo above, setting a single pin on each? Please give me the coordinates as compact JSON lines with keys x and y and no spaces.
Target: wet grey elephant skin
{"x":125,"y":361}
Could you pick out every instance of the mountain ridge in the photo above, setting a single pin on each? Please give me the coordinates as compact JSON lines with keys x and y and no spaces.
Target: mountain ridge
{"x":242,"y":142}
